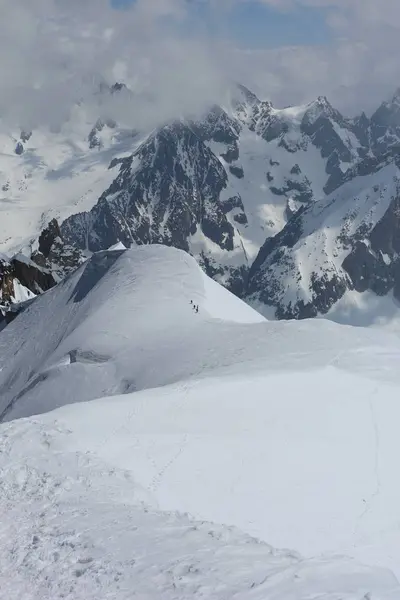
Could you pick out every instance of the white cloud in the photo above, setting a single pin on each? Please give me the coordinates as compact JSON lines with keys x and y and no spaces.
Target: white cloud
{"x":357,"y":67}
{"x":55,"y":52}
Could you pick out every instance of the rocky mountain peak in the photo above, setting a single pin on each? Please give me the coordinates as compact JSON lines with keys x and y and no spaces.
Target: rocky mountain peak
{"x":242,"y":95}
{"x":319,"y":108}
{"x":385,"y":124}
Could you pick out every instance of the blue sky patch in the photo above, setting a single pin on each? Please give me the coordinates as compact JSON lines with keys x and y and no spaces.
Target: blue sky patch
{"x":252,"y":24}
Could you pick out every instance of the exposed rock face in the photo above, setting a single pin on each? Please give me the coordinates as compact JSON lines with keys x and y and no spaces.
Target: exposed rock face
{"x":193,"y":185}
{"x":31,"y":275}
{"x":55,"y":254}
{"x":23,"y":277}
{"x":19,"y":148}
{"x":163,"y":193}
{"x":188,"y":184}
{"x":20,"y":281}
{"x":374,"y":263}
{"x":48,"y":237}
{"x":94,"y":137}
{"x":6,"y":282}
{"x":167,"y":192}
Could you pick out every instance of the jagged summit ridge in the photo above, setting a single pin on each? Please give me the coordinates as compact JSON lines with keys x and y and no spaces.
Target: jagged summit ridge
{"x":222,"y":209}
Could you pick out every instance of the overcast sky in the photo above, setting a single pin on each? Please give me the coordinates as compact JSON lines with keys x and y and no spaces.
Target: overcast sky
{"x":183,"y":52}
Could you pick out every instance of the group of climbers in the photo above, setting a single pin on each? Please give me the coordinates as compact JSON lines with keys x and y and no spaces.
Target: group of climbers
{"x":194,"y":306}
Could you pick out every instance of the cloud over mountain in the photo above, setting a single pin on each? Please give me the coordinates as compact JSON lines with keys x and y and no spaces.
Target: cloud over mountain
{"x":57,"y":52}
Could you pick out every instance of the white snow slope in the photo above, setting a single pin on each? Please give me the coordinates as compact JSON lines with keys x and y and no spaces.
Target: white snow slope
{"x":287,"y":431}
{"x":74,"y":527}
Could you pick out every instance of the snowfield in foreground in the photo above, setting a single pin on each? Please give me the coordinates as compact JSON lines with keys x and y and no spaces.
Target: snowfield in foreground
{"x":74,"y":527}
{"x":287,"y":432}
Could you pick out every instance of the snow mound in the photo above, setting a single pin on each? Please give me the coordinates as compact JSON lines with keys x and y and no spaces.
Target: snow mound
{"x":117,"y":246}
{"x":125,"y":320}
{"x":147,"y":317}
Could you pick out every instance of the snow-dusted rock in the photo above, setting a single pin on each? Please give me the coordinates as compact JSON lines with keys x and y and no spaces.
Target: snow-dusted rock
{"x":346,"y":241}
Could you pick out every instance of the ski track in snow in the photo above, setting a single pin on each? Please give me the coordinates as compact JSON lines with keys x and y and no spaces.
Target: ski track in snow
{"x":375,"y":493}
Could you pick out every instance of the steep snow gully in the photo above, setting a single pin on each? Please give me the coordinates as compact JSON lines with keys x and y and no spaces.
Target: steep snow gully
{"x":133,"y":424}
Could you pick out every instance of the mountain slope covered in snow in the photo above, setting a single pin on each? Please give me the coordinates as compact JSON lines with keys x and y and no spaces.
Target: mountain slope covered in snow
{"x":110,"y":285}
{"x":216,"y":413}
{"x":346,"y":241}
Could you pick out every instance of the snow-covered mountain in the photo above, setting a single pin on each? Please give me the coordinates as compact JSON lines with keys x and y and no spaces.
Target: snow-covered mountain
{"x":349,"y":240}
{"x":234,"y":188}
{"x":218,"y":186}
{"x":199,"y":407}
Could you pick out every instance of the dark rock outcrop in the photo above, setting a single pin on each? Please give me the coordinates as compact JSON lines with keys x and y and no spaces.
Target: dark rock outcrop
{"x":374,"y":264}
{"x":165,"y":193}
{"x":38,"y":273}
